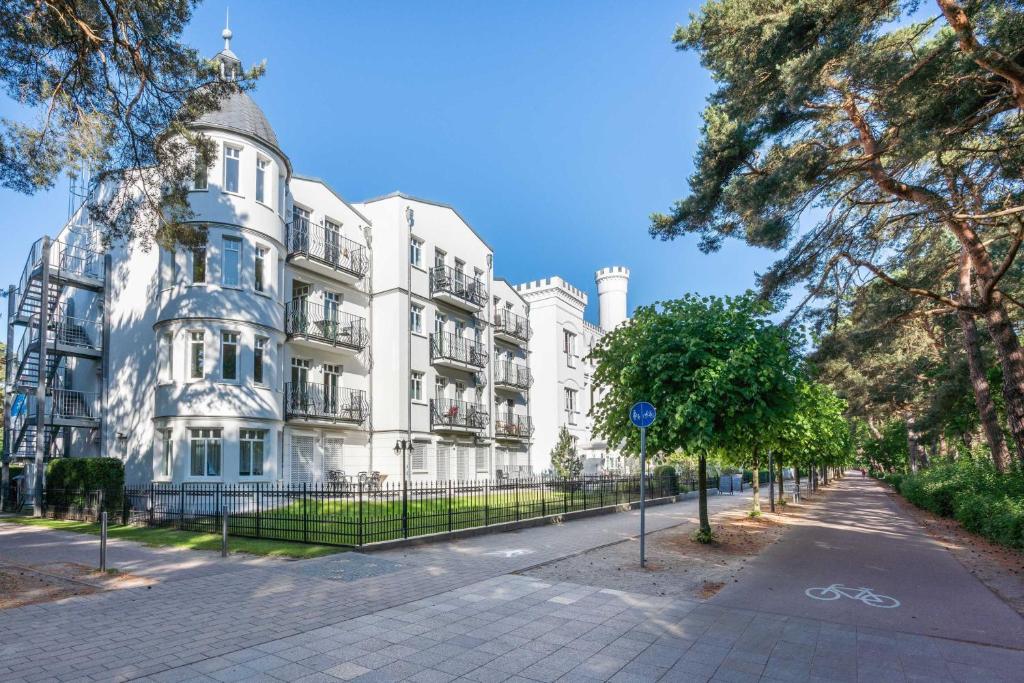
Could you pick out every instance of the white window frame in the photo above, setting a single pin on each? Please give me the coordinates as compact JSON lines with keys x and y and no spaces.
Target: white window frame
{"x":249,"y":439}
{"x":197,"y":340}
{"x":237,"y":158}
{"x":166,"y":453}
{"x":416,"y":251}
{"x":230,"y":338}
{"x":260,"y":261}
{"x":167,"y":357}
{"x":418,"y":458}
{"x":416,"y":319}
{"x":259,"y":360}
{"x":206,"y":437}
{"x":571,"y":403}
{"x":416,"y":386}
{"x":231,"y":244}
{"x":262,"y":175}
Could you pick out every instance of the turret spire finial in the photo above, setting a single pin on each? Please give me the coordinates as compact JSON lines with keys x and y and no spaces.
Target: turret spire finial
{"x":226,"y":33}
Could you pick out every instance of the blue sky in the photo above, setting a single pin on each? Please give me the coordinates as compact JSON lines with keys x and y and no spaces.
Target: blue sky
{"x":554,"y":128}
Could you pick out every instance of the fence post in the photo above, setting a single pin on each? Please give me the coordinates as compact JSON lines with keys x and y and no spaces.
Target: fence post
{"x":405,"y":506}
{"x":259,"y":510}
{"x":103,"y":541}
{"x":124,"y":507}
{"x":152,"y":504}
{"x":584,"y":493}
{"x":360,"y":512}
{"x":450,"y":506}
{"x":181,"y":506}
{"x":543,"y":498}
{"x":224,"y":531}
{"x":565,"y":496}
{"x":487,"y":509}
{"x":305,"y":516}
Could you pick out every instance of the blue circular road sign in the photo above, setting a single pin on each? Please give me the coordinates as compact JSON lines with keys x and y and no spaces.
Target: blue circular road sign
{"x":642,"y":414}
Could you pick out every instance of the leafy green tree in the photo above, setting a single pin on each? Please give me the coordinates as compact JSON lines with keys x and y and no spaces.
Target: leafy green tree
{"x":716,"y":369}
{"x":110,"y":90}
{"x":857,"y":135}
{"x":564,"y":457}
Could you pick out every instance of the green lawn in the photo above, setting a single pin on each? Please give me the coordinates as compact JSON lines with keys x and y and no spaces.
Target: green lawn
{"x":164,"y":537}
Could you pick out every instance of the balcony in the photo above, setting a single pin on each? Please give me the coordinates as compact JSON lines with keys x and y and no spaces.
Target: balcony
{"x":510,"y":327}
{"x":322,"y":249}
{"x":456,"y":288}
{"x":64,"y":408}
{"x":315,"y":326}
{"x":509,"y":375}
{"x":325,"y":403}
{"x":450,"y":415}
{"x":513,"y":427}
{"x":457,"y":352}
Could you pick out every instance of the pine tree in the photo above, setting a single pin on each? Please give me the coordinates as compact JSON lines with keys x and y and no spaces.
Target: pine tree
{"x":564,"y":458}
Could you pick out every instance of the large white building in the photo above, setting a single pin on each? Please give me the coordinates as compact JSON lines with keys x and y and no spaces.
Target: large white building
{"x":307,"y":338}
{"x":560,"y":352}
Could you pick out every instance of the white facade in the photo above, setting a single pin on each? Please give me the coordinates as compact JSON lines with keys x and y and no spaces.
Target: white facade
{"x":309,"y":337}
{"x":564,"y":392}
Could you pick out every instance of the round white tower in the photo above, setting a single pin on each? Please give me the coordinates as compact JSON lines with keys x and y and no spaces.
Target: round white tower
{"x":612,"y":291}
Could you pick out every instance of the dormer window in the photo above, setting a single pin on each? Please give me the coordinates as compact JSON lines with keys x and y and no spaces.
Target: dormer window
{"x":232,"y":160}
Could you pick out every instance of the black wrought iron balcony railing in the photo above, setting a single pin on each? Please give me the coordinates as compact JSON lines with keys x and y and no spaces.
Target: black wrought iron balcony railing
{"x":509,"y":374}
{"x":447,"y":280}
{"x":448,"y":413}
{"x":513,"y":426}
{"x":450,"y":347}
{"x":512,"y":324}
{"x":307,"y":400}
{"x":326,"y":245}
{"x":325,"y":324}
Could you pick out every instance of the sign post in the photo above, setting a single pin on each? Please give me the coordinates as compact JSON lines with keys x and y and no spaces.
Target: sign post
{"x":642,"y":415}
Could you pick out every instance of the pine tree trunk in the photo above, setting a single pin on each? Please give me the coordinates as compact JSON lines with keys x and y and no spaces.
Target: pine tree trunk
{"x":702,"y":502}
{"x":1011,"y":360}
{"x":976,"y":370}
{"x":913,"y":447}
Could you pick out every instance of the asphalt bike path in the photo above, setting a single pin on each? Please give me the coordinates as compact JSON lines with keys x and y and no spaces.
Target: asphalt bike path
{"x":858,"y":559}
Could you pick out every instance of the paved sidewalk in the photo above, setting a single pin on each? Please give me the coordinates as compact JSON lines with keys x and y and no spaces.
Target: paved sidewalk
{"x":205,"y":614}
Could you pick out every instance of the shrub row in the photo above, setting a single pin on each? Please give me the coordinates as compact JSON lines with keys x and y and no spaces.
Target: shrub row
{"x":86,"y":474}
{"x":972,"y":492}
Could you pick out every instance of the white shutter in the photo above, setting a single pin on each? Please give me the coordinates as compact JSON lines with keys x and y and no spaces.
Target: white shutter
{"x":481,"y":459}
{"x":418,"y":462}
{"x":462,"y":456}
{"x":444,"y":459}
{"x":333,"y":459}
{"x":303,"y":448}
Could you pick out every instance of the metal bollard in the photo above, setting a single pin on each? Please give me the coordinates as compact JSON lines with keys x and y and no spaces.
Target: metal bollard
{"x":103,"y":541}
{"x":224,"y":531}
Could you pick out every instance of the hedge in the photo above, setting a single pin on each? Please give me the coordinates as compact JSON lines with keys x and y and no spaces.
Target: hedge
{"x":668,"y":477}
{"x":972,"y":492}
{"x":86,"y":474}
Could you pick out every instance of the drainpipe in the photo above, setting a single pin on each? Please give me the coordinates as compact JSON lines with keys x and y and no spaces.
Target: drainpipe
{"x":368,"y":235}
{"x":409,"y":221}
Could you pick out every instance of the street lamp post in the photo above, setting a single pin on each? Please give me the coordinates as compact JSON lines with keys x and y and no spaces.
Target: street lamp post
{"x":404,"y":446}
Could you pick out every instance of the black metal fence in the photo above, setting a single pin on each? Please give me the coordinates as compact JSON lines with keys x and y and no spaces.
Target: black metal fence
{"x":83,"y":506}
{"x":354,"y":514}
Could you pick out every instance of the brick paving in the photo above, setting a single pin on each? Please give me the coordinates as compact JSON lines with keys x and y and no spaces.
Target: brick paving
{"x":454,"y":611}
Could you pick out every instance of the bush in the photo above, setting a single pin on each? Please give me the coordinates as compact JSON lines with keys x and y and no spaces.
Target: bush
{"x":666,"y":479}
{"x":87,"y":474}
{"x":971,"y":491}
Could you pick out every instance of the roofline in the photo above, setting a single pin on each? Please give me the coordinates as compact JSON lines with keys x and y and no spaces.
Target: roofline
{"x":245,"y":134}
{"x":451,"y":208}
{"x":314,"y":179}
{"x":510,"y":286}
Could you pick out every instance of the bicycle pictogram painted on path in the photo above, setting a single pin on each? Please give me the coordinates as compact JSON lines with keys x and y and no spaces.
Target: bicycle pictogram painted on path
{"x":865,"y":595}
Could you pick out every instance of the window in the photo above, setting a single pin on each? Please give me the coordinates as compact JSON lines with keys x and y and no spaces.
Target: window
{"x":199,"y":178}
{"x":204,"y":451}
{"x":418,"y":458}
{"x":259,"y":352}
{"x":229,"y":356}
{"x":416,"y":319}
{"x":569,"y":346}
{"x":261,"y":180}
{"x":198,"y":265}
{"x":232,"y":262}
{"x":439,"y":258}
{"x":439,"y":321}
{"x":166,"y":452}
{"x":416,"y":386}
{"x":570,"y":405}
{"x":197,"y":352}
{"x":481,"y":459}
{"x":440,"y":386}
{"x":166,"y":269}
{"x":167,"y":357}
{"x":260,"y":282}
{"x":232,"y":157}
{"x":250,"y":452}
{"x":416,"y":252}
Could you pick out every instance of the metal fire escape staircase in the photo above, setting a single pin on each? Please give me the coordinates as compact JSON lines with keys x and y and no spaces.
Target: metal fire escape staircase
{"x":50,"y":336}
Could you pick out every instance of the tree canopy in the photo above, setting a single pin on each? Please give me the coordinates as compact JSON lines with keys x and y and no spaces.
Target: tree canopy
{"x":109,"y":91}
